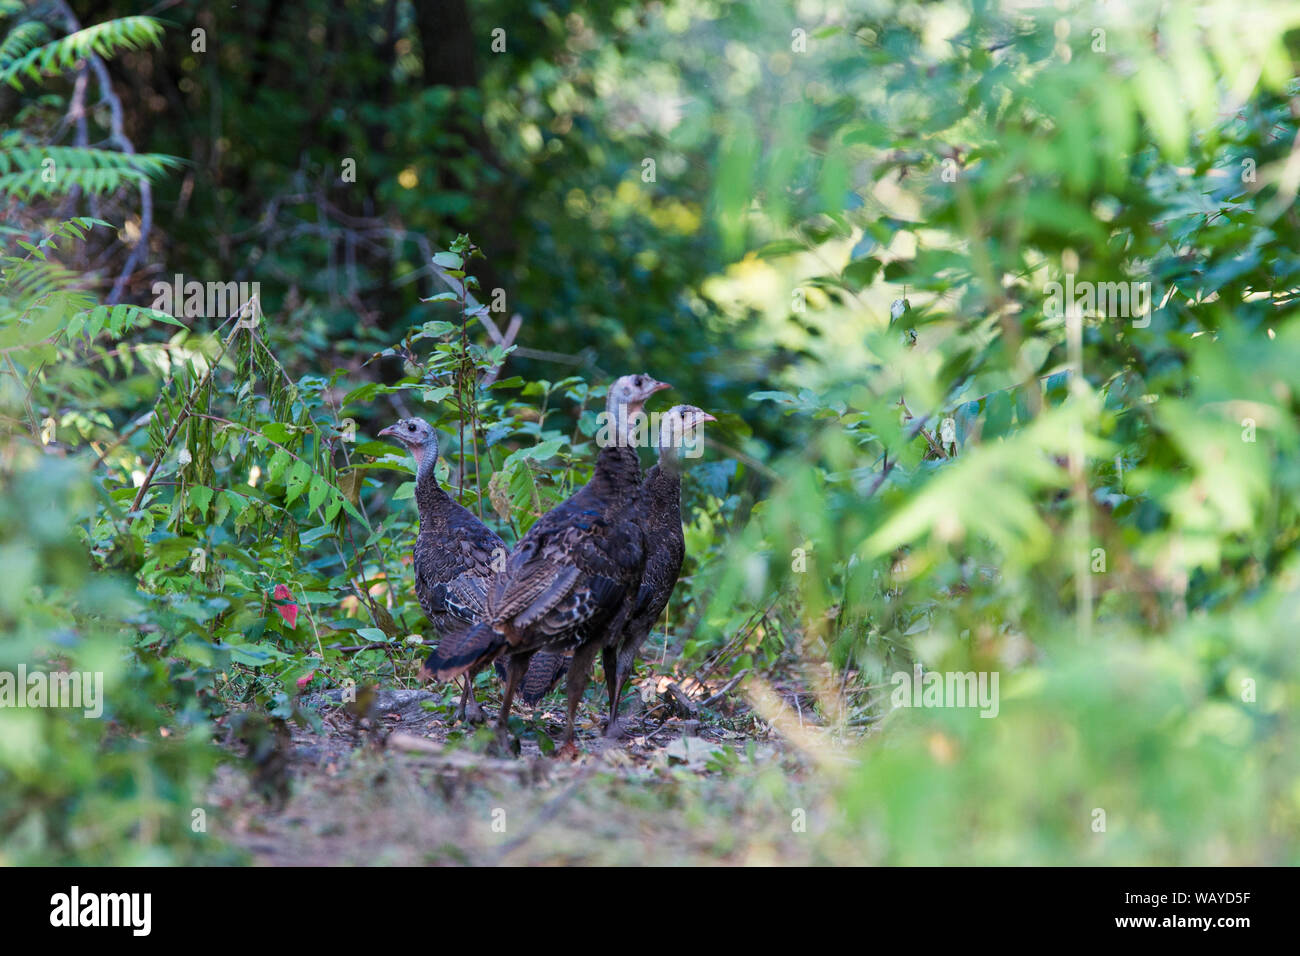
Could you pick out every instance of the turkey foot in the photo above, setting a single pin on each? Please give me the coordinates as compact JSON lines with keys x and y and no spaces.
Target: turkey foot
{"x":503,"y":744}
{"x":568,"y":751}
{"x":470,"y":712}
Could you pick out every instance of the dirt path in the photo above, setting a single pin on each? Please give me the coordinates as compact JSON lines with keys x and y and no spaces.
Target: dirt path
{"x":404,"y":787}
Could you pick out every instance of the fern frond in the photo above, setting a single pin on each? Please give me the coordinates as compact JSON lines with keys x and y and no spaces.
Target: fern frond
{"x":104,"y":39}
{"x":20,"y":40}
{"x":26,"y":280}
{"x":42,"y":319}
{"x":74,"y":228}
{"x":26,"y":172}
{"x":39,"y":297}
{"x":116,"y":320}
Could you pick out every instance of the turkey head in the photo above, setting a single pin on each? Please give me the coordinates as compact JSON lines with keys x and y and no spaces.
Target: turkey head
{"x":419,"y":438}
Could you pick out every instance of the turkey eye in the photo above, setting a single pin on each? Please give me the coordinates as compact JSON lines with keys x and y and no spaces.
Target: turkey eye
{"x":410,"y":428}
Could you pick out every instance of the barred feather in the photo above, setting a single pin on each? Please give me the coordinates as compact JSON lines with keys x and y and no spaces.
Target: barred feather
{"x":468,"y":649}
{"x":544,"y":672}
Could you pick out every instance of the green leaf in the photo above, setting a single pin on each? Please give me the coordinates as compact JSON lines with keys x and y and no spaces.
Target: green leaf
{"x":200,"y":497}
{"x":297,"y":481}
{"x":320,"y":488}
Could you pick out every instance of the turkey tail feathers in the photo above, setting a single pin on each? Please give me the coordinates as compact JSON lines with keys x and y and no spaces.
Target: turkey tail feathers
{"x":466,"y":649}
{"x":544,"y":672}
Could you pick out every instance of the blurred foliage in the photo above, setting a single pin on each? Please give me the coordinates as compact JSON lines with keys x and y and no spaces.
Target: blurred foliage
{"x":834,"y":225}
{"x":1113,"y":522}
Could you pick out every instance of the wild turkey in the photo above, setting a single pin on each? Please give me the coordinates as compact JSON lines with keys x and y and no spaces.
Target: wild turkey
{"x":573,"y":577}
{"x":454,"y":552}
{"x":659,"y":512}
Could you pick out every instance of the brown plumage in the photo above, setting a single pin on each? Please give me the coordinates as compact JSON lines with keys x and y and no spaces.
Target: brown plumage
{"x":573,"y":578}
{"x":659,"y":513}
{"x":454,"y":552}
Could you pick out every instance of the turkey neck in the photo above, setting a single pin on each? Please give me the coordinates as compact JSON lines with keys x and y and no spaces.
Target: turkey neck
{"x":670,"y":459}
{"x":617,"y":474}
{"x":428,"y":493}
{"x":618,"y":470}
{"x":663,"y":485}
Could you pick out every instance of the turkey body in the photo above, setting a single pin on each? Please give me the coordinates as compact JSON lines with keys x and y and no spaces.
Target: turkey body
{"x":659,"y":513}
{"x":454,"y":553}
{"x":569,"y":577}
{"x":453,"y":558}
{"x":573,"y":579}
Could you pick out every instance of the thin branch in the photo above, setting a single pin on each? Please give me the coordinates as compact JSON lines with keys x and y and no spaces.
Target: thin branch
{"x":117,"y":136}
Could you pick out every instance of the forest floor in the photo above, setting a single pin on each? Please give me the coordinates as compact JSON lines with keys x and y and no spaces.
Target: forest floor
{"x":688,"y":784}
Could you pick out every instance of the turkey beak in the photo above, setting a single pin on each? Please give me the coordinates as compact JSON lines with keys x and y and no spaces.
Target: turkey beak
{"x":696,"y":420}
{"x":390,"y":432}
{"x":657,"y":387}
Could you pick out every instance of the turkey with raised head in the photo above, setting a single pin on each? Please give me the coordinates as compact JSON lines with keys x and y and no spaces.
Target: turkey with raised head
{"x":573,"y":578}
{"x":455,"y":553}
{"x":659,"y":513}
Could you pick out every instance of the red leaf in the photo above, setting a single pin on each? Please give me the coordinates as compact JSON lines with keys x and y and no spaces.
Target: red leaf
{"x":290,"y":614}
{"x":305,"y":679}
{"x":288,"y":610}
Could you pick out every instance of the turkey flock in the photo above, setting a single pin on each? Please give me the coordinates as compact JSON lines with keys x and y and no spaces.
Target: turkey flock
{"x":591,"y":575}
